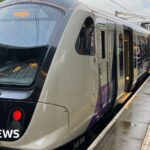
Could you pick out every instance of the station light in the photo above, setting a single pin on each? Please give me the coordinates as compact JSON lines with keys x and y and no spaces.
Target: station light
{"x":127,"y":78}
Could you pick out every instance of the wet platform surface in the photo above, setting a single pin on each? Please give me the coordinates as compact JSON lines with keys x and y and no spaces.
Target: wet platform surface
{"x":131,"y":129}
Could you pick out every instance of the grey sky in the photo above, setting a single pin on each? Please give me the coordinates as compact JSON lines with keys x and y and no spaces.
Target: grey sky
{"x":141,"y":7}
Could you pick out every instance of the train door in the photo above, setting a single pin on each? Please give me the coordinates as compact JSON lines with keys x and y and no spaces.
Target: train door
{"x":128,"y":54}
{"x":111,"y":62}
{"x":103,"y":60}
{"x":120,"y":63}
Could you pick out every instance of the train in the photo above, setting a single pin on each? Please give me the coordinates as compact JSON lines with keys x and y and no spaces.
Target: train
{"x":63,"y":66}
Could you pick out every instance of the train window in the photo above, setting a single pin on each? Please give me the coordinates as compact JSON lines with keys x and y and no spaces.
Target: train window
{"x":134,"y":54}
{"x":121,"y":54}
{"x":26,"y":23}
{"x":103,"y":44}
{"x":142,"y":53}
{"x":85,"y":44}
{"x":146,"y":49}
{"x":24,"y":46}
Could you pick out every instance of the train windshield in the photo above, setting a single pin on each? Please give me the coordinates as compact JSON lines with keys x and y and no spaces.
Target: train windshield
{"x":25,"y":31}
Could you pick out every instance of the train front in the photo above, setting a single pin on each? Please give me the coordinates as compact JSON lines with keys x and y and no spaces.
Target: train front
{"x":29,"y":34}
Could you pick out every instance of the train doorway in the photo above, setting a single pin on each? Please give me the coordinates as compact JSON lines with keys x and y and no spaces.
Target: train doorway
{"x":128,"y":54}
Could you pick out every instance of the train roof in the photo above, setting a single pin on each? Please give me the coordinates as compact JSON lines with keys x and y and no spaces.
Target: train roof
{"x":72,"y":5}
{"x":122,"y":22}
{"x":62,"y":4}
{"x":103,"y":14}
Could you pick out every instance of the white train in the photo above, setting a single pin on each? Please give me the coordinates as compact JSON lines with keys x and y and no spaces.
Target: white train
{"x":62,"y":67}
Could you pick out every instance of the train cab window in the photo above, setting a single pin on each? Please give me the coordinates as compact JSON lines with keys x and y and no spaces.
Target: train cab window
{"x":103,"y":44}
{"x":86,"y":41}
{"x":26,"y":23}
{"x":24,"y":46}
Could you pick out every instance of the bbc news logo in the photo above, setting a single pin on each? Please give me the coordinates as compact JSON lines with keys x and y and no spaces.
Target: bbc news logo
{"x":9,"y":134}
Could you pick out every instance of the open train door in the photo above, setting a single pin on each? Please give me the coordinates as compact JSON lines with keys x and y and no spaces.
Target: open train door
{"x":128,"y":54}
{"x":128,"y":64}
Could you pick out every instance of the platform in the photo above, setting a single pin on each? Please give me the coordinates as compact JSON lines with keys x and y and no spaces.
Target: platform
{"x":130,"y":129}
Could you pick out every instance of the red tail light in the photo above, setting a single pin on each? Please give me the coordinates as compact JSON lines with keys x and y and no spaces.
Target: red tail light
{"x":17,"y":115}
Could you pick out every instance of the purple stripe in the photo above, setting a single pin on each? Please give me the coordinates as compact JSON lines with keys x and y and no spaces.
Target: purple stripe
{"x":102,"y":99}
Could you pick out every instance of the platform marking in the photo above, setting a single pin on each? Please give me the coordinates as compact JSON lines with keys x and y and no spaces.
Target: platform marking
{"x":125,"y":107}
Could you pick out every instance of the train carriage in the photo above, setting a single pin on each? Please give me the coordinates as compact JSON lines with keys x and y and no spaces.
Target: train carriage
{"x":63,"y":66}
